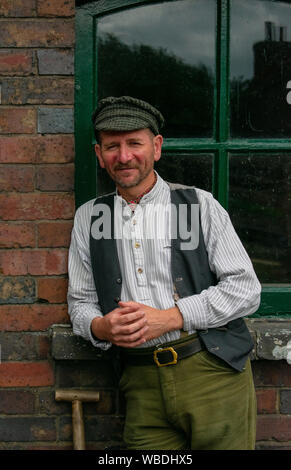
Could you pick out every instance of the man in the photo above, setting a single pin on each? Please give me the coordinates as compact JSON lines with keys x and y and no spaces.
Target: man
{"x":173,"y":309}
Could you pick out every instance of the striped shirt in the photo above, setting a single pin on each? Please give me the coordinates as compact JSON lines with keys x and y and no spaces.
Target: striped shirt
{"x":145,"y":263}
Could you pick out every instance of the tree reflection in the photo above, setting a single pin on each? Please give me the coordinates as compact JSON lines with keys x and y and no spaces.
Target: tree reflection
{"x":182,"y":92}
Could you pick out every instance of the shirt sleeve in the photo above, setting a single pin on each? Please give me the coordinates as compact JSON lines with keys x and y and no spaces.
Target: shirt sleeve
{"x":82,"y":298}
{"x":237,"y":292}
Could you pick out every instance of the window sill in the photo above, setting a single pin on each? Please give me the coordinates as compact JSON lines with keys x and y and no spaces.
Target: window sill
{"x":270,"y":341}
{"x":270,"y":338}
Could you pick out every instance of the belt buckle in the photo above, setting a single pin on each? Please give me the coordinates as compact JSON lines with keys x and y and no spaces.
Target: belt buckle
{"x":172,"y":350}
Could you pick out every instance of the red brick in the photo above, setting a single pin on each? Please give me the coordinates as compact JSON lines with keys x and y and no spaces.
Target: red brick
{"x":17,"y":8}
{"x":34,"y":262}
{"x":26,"y":374}
{"x":53,"y":290}
{"x":266,"y":400}
{"x":16,"y":401}
{"x":37,"y":90}
{"x":17,"y":235}
{"x":17,"y":120}
{"x":54,"y":234}
{"x":15,"y":62}
{"x":36,"y":206}
{"x":55,"y":7}
{"x":56,"y":149}
{"x":36,"y":317}
{"x":18,"y":149}
{"x":55,"y":178}
{"x":271,"y":373}
{"x":37,"y":33}
{"x":276,"y":427}
{"x":37,"y":149}
{"x":16,"y":178}
{"x":44,"y":347}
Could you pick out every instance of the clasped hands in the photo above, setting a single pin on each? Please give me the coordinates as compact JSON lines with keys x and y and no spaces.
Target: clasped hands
{"x":131,"y":324}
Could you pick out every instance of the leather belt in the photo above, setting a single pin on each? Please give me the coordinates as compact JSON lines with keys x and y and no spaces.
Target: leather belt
{"x":163,"y":356}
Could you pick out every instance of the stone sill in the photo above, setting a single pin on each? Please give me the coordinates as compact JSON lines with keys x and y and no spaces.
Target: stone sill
{"x":270,"y":341}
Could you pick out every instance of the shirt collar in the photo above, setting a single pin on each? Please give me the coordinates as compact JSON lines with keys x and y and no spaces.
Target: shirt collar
{"x":154,"y":192}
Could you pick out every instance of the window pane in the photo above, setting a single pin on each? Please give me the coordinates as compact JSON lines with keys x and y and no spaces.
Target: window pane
{"x":163,"y":53}
{"x":190,"y":169}
{"x":260,"y":208}
{"x":260,"y":69}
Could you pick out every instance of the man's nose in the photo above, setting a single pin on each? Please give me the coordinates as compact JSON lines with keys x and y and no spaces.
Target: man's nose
{"x":125,"y":154}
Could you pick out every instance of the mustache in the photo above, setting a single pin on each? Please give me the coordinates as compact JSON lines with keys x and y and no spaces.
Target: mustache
{"x":125,"y":167}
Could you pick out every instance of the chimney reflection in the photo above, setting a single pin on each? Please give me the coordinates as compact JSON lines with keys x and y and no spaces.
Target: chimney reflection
{"x":275,"y":33}
{"x":259,"y":106}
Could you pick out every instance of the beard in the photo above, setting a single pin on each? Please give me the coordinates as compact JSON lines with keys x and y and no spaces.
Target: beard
{"x":141,"y":175}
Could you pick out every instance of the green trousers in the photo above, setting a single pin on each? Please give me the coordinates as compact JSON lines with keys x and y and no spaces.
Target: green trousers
{"x":199,"y":403}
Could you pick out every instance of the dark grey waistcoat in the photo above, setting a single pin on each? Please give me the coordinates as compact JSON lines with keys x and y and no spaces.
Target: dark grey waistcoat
{"x":190,"y":272}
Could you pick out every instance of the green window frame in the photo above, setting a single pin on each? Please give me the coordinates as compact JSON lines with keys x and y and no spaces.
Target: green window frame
{"x":276,"y":301}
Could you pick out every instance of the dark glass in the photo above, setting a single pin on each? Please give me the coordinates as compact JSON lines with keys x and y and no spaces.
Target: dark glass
{"x":260,"y":69}
{"x":260,"y":209}
{"x":163,"y":53}
{"x":190,"y":169}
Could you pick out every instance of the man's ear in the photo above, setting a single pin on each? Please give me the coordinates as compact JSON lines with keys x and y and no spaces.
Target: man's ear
{"x":99,"y":155}
{"x":158,"y":142}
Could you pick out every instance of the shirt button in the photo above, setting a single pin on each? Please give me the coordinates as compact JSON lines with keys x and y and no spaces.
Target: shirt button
{"x":140,"y":270}
{"x":137,"y":245}
{"x":134,"y":222}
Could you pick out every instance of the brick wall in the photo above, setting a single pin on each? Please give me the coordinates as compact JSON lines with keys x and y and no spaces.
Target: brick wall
{"x":36,"y":209}
{"x":273,"y":387}
{"x":36,"y":212}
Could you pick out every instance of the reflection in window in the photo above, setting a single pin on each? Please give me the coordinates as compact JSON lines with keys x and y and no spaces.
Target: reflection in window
{"x":260,"y":68}
{"x":260,"y":208}
{"x":190,"y":169}
{"x":163,"y":53}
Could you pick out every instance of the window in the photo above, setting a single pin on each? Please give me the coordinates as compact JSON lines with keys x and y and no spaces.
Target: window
{"x":220,"y":72}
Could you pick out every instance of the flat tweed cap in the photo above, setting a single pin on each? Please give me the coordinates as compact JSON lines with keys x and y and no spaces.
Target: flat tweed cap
{"x":126,"y":114}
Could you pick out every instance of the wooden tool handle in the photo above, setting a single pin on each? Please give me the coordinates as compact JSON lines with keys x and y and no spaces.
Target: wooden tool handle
{"x":81,"y":395}
{"x":78,"y":425}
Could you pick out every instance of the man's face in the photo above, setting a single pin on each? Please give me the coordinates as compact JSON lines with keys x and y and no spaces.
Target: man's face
{"x":129,"y":157}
